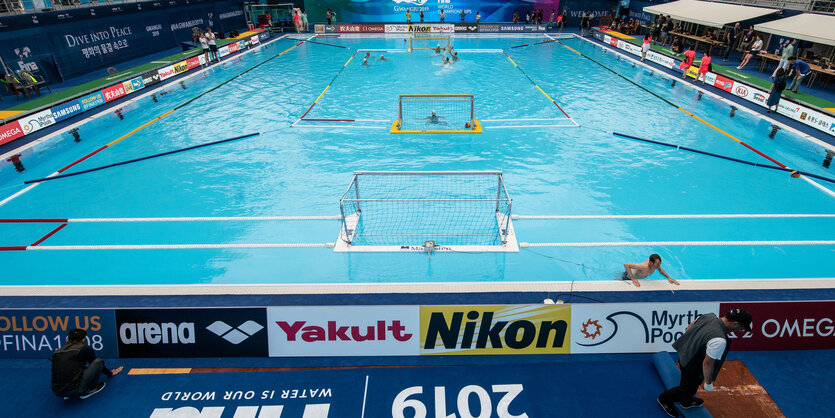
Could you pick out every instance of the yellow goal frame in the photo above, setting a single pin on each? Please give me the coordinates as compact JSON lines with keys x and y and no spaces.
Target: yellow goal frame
{"x":412,"y":48}
{"x":476,"y":125}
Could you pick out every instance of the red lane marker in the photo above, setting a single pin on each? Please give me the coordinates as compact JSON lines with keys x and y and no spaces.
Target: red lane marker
{"x":308,"y":110}
{"x":82,"y":159}
{"x":10,"y":221}
{"x":766,"y":156}
{"x":12,"y":248}
{"x":48,"y":235}
{"x":505,"y":54}
{"x":563,"y":111}
{"x":331,"y":120}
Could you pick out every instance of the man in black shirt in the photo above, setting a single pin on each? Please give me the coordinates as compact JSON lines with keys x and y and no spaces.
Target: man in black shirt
{"x":76,"y":370}
{"x":730,"y":39}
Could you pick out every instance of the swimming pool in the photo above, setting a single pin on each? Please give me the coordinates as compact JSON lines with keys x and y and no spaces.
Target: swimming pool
{"x":559,"y":169}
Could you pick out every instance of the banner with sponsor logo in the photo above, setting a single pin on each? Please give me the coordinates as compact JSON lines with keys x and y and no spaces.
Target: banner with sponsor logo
{"x":797,"y":325}
{"x":10,"y":131}
{"x":344,"y":331}
{"x":510,"y":329}
{"x":36,"y":122}
{"x":488,"y":28}
{"x":66,"y":110}
{"x":466,"y":28}
{"x":220,"y":332}
{"x":632,"y":327}
{"x":36,"y":333}
{"x":395,"y":11}
{"x":90,"y":101}
{"x":166,"y":72}
{"x":113,"y":92}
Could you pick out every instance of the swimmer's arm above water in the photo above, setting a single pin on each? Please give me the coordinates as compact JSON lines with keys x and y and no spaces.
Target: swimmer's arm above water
{"x":629,"y":267}
{"x":669,"y":279}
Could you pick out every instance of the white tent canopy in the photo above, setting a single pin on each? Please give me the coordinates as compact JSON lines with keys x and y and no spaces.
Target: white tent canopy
{"x":807,"y":26}
{"x":707,"y":13}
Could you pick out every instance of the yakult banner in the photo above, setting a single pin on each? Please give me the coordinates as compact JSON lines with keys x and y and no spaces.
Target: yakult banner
{"x":632,"y":327}
{"x":36,"y":333}
{"x":510,"y":329}
{"x":305,"y":331}
{"x":800,"y":325}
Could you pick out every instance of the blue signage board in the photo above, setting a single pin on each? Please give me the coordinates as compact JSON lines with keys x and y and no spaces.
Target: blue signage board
{"x":36,"y":333}
{"x":66,"y":110}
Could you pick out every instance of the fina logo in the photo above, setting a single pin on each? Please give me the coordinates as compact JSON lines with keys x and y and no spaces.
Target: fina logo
{"x":591,"y":328}
{"x":415,"y":2}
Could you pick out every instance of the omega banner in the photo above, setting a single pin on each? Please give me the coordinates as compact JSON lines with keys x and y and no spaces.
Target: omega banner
{"x":787,"y":325}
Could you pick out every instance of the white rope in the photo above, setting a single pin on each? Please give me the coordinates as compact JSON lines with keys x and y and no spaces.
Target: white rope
{"x":209,"y":219}
{"x":670,"y":243}
{"x":483,"y":50}
{"x":515,"y":120}
{"x":172,"y":246}
{"x":694,"y":216}
{"x":339,"y":126}
{"x":531,"y":126}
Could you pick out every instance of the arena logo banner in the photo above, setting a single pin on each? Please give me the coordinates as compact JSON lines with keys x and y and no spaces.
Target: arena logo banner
{"x":66,"y":110}
{"x":632,"y":327}
{"x":222,"y":332}
{"x":90,"y":101}
{"x":36,"y":121}
{"x":10,"y":131}
{"x":510,"y":329}
{"x":465,"y":28}
{"x":802,"y":325}
{"x":31,"y":333}
{"x":344,"y":331}
{"x":150,"y":78}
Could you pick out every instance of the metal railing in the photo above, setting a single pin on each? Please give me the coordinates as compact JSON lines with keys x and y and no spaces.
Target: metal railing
{"x":817,"y":6}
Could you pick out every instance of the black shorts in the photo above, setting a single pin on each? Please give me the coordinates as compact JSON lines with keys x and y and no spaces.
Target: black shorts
{"x":206,"y":49}
{"x":213,"y":48}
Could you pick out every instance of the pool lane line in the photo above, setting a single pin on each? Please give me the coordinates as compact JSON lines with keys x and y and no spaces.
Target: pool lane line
{"x":51,"y":233}
{"x":831,"y":193}
{"x":170,"y":246}
{"x":536,"y":43}
{"x":180,"y":219}
{"x":161,"y":154}
{"x":690,"y":216}
{"x":711,"y":154}
{"x":320,"y":43}
{"x":674,"y":243}
{"x":537,"y":86}
{"x":322,"y":94}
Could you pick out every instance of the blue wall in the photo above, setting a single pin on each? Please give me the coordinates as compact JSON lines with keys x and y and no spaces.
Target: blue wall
{"x":67,"y":44}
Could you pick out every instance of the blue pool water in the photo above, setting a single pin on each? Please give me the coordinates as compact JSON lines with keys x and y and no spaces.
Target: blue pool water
{"x":304,"y":171}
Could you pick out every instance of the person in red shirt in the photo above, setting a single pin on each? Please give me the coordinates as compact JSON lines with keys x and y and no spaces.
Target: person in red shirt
{"x":689,"y":56}
{"x":704,"y":68}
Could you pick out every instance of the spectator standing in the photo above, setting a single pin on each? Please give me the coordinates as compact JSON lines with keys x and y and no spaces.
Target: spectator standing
{"x":477,"y":18}
{"x":76,"y":370}
{"x":443,"y":15}
{"x":210,"y":36}
{"x":204,"y":43}
{"x":297,"y":20}
{"x":551,"y":19}
{"x":421,"y":16}
{"x":645,"y":47}
{"x":331,"y":15}
{"x":788,"y":51}
{"x":408,"y":16}
{"x":777,"y":86}
{"x":527,"y":18}
{"x":701,"y":351}
{"x":515,"y":17}
{"x":747,"y":39}
{"x":799,"y":70}
{"x":561,"y":20}
{"x":704,"y":67}
{"x":463,"y":15}
{"x":305,"y":26}
{"x":585,"y":22}
{"x":730,"y":38}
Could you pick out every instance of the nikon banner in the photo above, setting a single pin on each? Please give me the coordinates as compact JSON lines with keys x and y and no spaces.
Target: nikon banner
{"x":500,"y":329}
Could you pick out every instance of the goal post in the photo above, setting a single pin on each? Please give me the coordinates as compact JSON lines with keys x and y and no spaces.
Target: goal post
{"x":423,"y":43}
{"x":403,"y":210}
{"x":436,"y":113}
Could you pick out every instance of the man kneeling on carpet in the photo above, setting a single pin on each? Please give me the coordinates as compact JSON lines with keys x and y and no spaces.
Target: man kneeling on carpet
{"x":76,"y":370}
{"x":701,"y":351}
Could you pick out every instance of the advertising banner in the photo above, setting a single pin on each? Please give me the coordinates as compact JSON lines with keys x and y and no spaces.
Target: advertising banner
{"x":10,"y":131}
{"x":397,"y":28}
{"x":223,"y":51}
{"x":349,"y":28}
{"x":693,"y":72}
{"x":113,"y":92}
{"x":373,"y":28}
{"x":65,"y":110}
{"x":165,"y":73}
{"x":221,"y":332}
{"x":466,"y":28}
{"x":193,"y":62}
{"x":181,"y":67}
{"x":488,"y":28}
{"x":150,"y":78}
{"x":511,"y":28}
{"x":37,"y":121}
{"x":304,"y":331}
{"x":632,"y":327}
{"x":723,"y":83}
{"x":420,"y":28}
{"x":511,"y":329}
{"x":799,"y":325}
{"x":395,"y":10}
{"x":233,"y":47}
{"x":36,"y":333}
{"x":91,"y":101}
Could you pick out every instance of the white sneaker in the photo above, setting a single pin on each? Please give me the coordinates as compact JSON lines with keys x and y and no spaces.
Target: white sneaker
{"x":93,"y":391}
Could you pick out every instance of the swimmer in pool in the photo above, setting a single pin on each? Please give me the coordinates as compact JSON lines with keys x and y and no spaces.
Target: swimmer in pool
{"x":635,"y":271}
